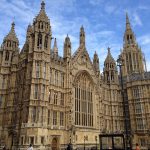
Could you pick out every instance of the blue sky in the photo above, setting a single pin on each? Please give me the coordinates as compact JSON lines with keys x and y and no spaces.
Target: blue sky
{"x":103,"y":20}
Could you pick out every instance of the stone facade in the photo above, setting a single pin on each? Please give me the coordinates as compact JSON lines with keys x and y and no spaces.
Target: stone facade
{"x":50,"y":101}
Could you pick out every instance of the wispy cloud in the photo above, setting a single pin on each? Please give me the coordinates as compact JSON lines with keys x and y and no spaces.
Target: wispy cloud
{"x":148,"y":65}
{"x":95,"y":2}
{"x":137,"y":20}
{"x":103,"y":22}
{"x":110,"y":8}
{"x":144,"y":40}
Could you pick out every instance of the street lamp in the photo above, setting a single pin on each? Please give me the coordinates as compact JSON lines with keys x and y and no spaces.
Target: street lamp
{"x":120,"y":63}
{"x":84,"y":142}
{"x":96,"y":141}
{"x":85,"y":139}
{"x":69,"y":147}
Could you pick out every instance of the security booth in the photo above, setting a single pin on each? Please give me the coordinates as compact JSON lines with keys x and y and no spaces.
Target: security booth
{"x":112,"y":141}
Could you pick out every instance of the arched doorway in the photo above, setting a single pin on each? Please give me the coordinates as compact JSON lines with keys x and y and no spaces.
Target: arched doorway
{"x":54,"y":144}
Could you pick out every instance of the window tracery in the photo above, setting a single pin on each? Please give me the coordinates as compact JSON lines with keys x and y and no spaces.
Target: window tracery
{"x":84,"y":101}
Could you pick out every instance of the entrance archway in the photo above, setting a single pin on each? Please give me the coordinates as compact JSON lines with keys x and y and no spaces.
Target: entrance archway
{"x":54,"y":144}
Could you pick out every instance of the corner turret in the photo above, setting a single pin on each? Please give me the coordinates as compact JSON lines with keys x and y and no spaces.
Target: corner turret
{"x":96,"y":62}
{"x":110,"y":69}
{"x":82,"y":37}
{"x":67,"y":47}
{"x":11,"y":41}
{"x":10,"y":47}
{"x":42,"y":30}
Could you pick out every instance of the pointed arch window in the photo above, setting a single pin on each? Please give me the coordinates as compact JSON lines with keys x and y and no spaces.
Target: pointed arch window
{"x":36,"y":90}
{"x":0,"y":100}
{"x":112,"y":76}
{"x":46,"y":42}
{"x":56,"y":78}
{"x":44,"y":70}
{"x":39,"y":25}
{"x":61,"y":118}
{"x":39,"y":44}
{"x":48,"y":121}
{"x":51,"y":79}
{"x":43,"y":92}
{"x":3,"y":83}
{"x":55,"y":98}
{"x":42,"y":25}
{"x":37,"y":69}
{"x":7,"y":56}
{"x":54,"y":117}
{"x":34,"y":114}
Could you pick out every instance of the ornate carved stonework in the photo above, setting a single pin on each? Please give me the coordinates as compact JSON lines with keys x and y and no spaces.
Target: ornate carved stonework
{"x":50,"y":101}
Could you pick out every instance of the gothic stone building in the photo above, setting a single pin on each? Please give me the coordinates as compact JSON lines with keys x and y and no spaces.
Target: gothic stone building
{"x":50,"y":101}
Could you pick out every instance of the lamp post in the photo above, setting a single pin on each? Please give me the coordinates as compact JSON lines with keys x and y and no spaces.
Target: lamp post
{"x":120,"y":63}
{"x":84,"y":142}
{"x":96,"y":141}
{"x":85,"y":139}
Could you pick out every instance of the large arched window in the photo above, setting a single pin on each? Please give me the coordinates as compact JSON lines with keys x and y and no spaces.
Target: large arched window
{"x":84,"y":100}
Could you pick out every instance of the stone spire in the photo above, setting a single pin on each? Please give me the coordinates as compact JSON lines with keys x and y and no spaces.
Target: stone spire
{"x":96,"y":61}
{"x":128,"y":26}
{"x":67,"y":39}
{"x":82,"y":37}
{"x":11,"y":36}
{"x":67,"y":47}
{"x":110,"y":69}
{"x":29,"y":28}
{"x":129,"y":37}
{"x":55,"y":48}
{"x":132,"y":53}
{"x":26,"y":44}
{"x":109,"y":58}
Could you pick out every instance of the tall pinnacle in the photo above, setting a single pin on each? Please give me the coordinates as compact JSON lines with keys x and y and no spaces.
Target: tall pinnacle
{"x":108,"y":50}
{"x":55,"y":49}
{"x":109,"y":57}
{"x":82,"y":29}
{"x":82,"y":36}
{"x":128,"y":26}
{"x":129,"y":37}
{"x":96,"y":56}
{"x":13,"y":27}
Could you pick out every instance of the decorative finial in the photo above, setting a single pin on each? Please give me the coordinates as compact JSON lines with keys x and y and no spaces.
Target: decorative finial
{"x":43,"y":5}
{"x":95,"y":54}
{"x":55,"y":48}
{"x":82,"y":28}
{"x":55,"y":43}
{"x":108,"y":49}
{"x":13,"y":26}
{"x":67,"y":37}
